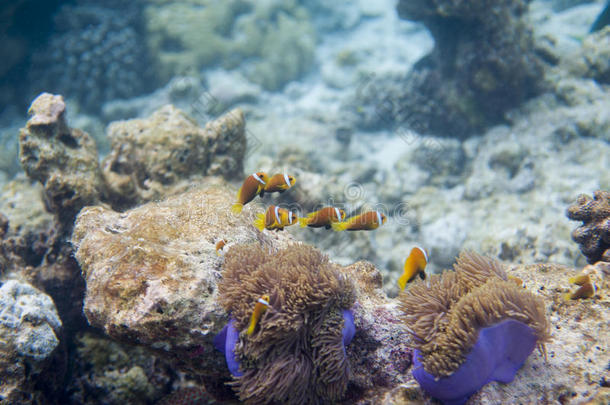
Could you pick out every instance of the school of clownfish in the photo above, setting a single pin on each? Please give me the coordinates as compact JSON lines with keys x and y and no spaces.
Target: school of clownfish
{"x":277,"y":218}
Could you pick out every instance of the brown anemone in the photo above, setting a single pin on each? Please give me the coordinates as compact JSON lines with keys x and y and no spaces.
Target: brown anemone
{"x":296,"y":353}
{"x":445,"y":316}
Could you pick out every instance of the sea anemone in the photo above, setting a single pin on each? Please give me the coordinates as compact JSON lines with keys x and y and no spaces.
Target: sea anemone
{"x":465,"y":325}
{"x":296,"y":354}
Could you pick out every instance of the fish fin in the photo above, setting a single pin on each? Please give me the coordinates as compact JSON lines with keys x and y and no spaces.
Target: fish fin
{"x":567,"y":297}
{"x":262,"y":193}
{"x":339,"y":226}
{"x":259,"y":222}
{"x":422,"y":275}
{"x":236,"y":208}
{"x":402,"y":282}
{"x":311,"y":215}
{"x":217,"y":253}
{"x":303,"y":222}
{"x":327,"y":226}
{"x":281,"y":191}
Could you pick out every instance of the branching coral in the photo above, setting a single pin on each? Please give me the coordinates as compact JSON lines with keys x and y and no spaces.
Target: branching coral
{"x":297,"y":353}
{"x":448,"y":317}
{"x":593,"y":235}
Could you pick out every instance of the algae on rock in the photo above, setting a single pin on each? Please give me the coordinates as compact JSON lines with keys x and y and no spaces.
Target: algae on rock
{"x":167,"y":151}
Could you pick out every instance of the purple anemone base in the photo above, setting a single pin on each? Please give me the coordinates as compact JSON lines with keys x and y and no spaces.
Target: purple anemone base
{"x":227,"y":338}
{"x":498,"y":353}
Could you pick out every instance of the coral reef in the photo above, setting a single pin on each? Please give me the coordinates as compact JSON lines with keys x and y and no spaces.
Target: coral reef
{"x":152,"y":275}
{"x":62,"y":159}
{"x":483,"y":64}
{"x":297,"y":354}
{"x":593,"y":235}
{"x":95,"y":54}
{"x":167,"y":151}
{"x":195,"y":33}
{"x":29,"y":326}
{"x":460,"y":314}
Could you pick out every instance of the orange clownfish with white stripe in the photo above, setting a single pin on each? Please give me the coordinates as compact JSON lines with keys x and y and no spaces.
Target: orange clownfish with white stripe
{"x":275,"y":218}
{"x":364,"y":222}
{"x":279,"y":183}
{"x":322,"y":218}
{"x":261,"y":306}
{"x":253,"y":185}
{"x":415,"y":264}
{"x":219,"y":245}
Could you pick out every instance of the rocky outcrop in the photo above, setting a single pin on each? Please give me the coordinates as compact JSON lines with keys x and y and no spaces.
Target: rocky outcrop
{"x":151,"y":272}
{"x":166,"y":152}
{"x":483,"y":64}
{"x":29,"y":326}
{"x":63,"y":159}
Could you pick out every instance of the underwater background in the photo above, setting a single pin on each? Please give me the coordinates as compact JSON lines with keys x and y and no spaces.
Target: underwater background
{"x":470,"y":125}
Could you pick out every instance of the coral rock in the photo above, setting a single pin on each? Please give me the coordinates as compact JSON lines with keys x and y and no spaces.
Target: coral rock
{"x":593,"y":235}
{"x":483,"y":64}
{"x":167,"y":151}
{"x":29,"y":326}
{"x":151,"y":272}
{"x":64,"y":160}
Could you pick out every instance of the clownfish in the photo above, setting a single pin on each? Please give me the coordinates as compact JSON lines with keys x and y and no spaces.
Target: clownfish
{"x":253,"y":185}
{"x":261,"y":306}
{"x":517,"y":281}
{"x":322,"y":218}
{"x":415,"y":264}
{"x":219,"y":245}
{"x":275,"y":218}
{"x":586,"y":290}
{"x":364,"y":222}
{"x":279,"y":183}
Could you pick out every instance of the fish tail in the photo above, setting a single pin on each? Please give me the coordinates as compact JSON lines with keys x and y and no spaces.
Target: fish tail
{"x":236,"y":208}
{"x":303,"y":222}
{"x":259,"y":222}
{"x":339,"y":226}
{"x":402,"y":282}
